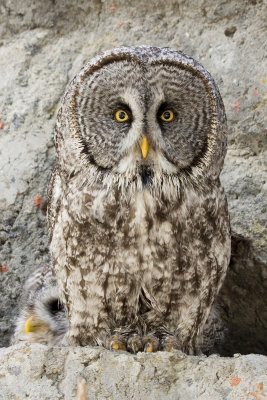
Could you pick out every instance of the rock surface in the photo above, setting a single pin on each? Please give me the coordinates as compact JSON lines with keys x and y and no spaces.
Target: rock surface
{"x":38,"y":372}
{"x":42,"y":46}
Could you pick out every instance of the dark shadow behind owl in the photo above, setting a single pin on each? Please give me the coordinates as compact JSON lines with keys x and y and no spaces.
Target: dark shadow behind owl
{"x":42,"y":318}
{"x":139,"y":227}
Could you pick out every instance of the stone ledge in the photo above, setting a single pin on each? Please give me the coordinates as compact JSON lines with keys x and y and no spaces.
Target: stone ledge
{"x":42,"y":373}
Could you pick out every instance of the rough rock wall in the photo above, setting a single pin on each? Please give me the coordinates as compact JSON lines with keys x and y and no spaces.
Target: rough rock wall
{"x":44,"y":43}
{"x":41,"y":373}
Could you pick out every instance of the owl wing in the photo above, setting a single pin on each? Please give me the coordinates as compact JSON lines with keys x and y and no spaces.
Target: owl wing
{"x":54,"y":196}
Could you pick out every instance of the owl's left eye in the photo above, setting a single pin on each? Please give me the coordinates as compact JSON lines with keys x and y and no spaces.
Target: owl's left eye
{"x":121,"y":116}
{"x":167,"y":115}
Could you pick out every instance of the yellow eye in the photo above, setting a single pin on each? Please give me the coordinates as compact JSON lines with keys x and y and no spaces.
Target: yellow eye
{"x":121,"y":116}
{"x":167,"y":116}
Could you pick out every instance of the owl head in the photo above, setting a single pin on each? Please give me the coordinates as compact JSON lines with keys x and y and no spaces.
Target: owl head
{"x":42,"y":316}
{"x":142,"y":117}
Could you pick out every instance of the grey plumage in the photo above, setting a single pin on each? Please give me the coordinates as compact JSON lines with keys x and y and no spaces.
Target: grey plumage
{"x":40,"y":303}
{"x":40,"y":300}
{"x":140,"y":244}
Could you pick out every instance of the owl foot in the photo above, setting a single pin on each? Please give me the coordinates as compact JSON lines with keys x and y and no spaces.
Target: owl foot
{"x":170,"y":343}
{"x":134,"y":344}
{"x":116,"y":342}
{"x":150,"y":343}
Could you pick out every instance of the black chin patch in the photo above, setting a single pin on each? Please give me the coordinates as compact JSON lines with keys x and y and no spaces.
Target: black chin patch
{"x":146,"y":175}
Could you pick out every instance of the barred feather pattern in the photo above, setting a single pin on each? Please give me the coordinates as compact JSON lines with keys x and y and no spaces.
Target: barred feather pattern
{"x":139,"y":245}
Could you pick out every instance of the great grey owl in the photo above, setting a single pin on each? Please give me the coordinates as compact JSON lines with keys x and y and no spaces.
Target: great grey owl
{"x":139,"y":228}
{"x":42,"y":317}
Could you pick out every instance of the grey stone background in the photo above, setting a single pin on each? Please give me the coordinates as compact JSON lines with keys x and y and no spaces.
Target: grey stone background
{"x":41,"y":373}
{"x":44,"y":43}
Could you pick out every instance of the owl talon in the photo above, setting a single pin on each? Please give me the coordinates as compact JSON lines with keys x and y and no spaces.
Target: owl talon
{"x":116,"y":342}
{"x":170,"y":343}
{"x":116,"y":346}
{"x":150,"y":344}
{"x":134,"y":344}
{"x":148,"y":348}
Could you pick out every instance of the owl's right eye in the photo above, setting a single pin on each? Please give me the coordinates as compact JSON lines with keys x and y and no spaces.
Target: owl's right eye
{"x":121,"y":116}
{"x":167,"y":116}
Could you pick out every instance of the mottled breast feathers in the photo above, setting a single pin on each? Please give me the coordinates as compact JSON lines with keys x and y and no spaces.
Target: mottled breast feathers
{"x":139,"y":227}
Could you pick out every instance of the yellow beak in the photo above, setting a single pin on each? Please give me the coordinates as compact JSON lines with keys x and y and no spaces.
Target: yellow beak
{"x":33,"y":324}
{"x":144,"y":146}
